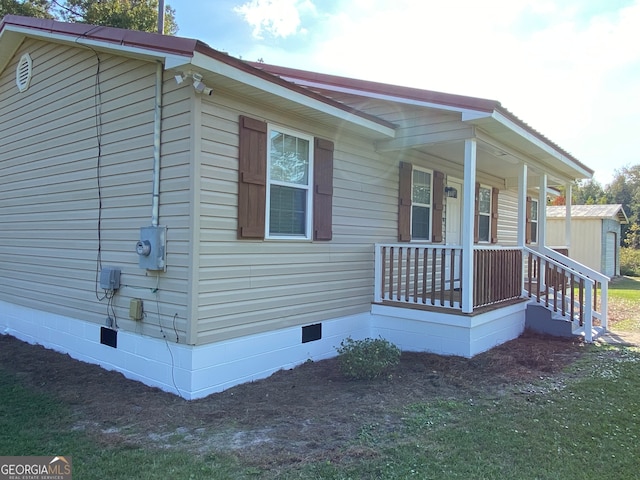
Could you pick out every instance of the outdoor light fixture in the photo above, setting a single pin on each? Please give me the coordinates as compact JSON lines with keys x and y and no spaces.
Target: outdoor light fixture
{"x":198,"y":84}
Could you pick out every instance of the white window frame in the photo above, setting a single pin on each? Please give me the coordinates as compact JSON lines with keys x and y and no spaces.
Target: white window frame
{"x":309,"y":187}
{"x":534,"y":240}
{"x":485,"y":214}
{"x":430,"y":205}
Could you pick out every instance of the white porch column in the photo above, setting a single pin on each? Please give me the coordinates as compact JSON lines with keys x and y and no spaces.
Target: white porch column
{"x":567,"y":219}
{"x":468,"y":219}
{"x":522,"y":206}
{"x":542,"y":212}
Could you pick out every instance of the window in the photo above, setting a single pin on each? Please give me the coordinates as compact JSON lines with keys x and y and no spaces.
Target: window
{"x":421,"y":205}
{"x":300,"y":183}
{"x":484,"y":214}
{"x":534,"y":221}
{"x":289,"y":192}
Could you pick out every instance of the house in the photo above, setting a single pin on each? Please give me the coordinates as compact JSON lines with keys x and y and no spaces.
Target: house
{"x":594,"y":234}
{"x":195,"y":221}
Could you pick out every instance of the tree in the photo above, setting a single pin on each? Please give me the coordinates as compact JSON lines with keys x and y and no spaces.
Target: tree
{"x":33,"y":8}
{"x":588,"y":192}
{"x":625,"y":189}
{"x":130,"y":14}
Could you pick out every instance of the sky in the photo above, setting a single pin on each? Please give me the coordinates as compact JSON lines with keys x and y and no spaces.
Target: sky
{"x":568,"y":68}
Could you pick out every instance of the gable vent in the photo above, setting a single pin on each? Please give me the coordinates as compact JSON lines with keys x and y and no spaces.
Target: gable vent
{"x":23,"y":73}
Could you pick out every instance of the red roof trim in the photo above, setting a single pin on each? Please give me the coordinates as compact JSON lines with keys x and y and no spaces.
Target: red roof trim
{"x":170,"y":45}
{"x":119,"y":36}
{"x":440,"y":98}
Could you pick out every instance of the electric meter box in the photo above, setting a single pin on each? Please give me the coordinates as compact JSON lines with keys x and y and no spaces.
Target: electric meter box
{"x":151,"y":248}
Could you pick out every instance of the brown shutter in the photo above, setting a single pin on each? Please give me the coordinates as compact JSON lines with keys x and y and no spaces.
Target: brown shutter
{"x":252,"y":178}
{"x":476,"y":223}
{"x":404,"y":203}
{"x":494,"y":215}
{"x":438,"y":206}
{"x":323,"y":189}
{"x":527,"y":235}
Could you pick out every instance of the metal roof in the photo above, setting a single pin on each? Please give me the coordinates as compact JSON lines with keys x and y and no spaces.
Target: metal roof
{"x":613,"y":212}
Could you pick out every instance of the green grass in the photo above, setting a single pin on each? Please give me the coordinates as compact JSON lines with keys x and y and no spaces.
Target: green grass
{"x":35,"y":424}
{"x":624,"y":301}
{"x":581,"y":426}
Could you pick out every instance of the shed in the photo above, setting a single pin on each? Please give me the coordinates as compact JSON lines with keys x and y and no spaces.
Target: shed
{"x":595,"y":234}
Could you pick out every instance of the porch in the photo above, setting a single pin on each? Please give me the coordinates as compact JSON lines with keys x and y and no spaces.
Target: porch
{"x":431,"y":278}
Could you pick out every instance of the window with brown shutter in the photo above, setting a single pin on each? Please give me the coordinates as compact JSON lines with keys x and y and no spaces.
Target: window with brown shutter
{"x":285,"y":200}
{"x":404,"y":202}
{"x":252,"y":178}
{"x":476,"y":223}
{"x":323,"y":189}
{"x":438,"y":206}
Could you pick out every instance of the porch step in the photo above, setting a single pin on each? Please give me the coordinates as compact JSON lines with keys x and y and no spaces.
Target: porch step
{"x":541,"y":320}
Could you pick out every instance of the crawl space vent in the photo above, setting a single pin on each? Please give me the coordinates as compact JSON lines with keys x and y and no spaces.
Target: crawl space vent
{"x":23,"y":73}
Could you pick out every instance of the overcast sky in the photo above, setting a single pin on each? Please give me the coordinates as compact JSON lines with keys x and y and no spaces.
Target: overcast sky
{"x":569,"y":68}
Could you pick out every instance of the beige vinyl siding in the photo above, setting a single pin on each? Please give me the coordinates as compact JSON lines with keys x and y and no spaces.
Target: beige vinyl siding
{"x":249,"y":287}
{"x":49,"y":186}
{"x":508,"y":217}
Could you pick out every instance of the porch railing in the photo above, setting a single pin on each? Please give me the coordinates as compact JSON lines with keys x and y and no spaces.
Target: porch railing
{"x":567,"y":288}
{"x":431,"y":275}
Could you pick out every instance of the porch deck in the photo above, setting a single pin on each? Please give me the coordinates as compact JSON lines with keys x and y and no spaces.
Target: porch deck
{"x":430,"y":278}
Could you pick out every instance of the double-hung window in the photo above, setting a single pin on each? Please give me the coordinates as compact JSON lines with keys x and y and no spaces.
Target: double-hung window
{"x":421,"y":204}
{"x":484,"y":214}
{"x":289,"y":184}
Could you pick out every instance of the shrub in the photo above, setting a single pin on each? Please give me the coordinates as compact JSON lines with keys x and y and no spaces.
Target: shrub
{"x":366,"y":359}
{"x":630,"y":262}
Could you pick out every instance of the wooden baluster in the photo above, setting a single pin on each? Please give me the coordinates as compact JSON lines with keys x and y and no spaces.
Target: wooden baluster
{"x":433,"y":277}
{"x":407,"y":282}
{"x":391,"y":261}
{"x":452,"y":276}
{"x":384,"y":266}
{"x":425,"y":265}
{"x":399,"y":282}
{"x":415,"y":275}
{"x":581,"y":299}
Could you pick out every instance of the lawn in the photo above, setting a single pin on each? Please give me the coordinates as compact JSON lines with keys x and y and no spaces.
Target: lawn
{"x":624,"y":304}
{"x":537,"y":407}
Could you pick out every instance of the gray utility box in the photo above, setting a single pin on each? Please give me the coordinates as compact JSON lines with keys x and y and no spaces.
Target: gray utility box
{"x":151,"y":248}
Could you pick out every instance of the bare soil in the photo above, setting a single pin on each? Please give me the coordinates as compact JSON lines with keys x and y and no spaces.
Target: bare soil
{"x":310,"y":413}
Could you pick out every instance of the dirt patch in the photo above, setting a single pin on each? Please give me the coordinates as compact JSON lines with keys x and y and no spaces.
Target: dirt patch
{"x":309,"y":413}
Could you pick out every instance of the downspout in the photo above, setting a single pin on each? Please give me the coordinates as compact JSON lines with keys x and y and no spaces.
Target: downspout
{"x":157,"y":128}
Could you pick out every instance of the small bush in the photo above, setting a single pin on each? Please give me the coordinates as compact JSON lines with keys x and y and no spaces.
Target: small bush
{"x":366,"y":359}
{"x":630,"y":262}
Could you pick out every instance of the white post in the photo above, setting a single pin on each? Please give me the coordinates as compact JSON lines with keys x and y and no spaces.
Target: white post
{"x":377,"y":272}
{"x":522,"y":215}
{"x":522,"y":206}
{"x":567,"y":218}
{"x":542,"y":213}
{"x":468,"y":219}
{"x":588,"y":311}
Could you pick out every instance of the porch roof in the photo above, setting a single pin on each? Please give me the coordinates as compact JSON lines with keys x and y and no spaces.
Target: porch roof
{"x":504,"y":135}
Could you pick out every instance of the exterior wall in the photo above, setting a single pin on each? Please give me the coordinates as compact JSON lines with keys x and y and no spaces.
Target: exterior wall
{"x":586,"y":240}
{"x":247,"y":287}
{"x":80,"y":123}
{"x":508,"y":218}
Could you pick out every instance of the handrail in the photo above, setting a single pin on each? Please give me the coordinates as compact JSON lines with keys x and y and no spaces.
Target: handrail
{"x":587,"y":309}
{"x":578,"y":267}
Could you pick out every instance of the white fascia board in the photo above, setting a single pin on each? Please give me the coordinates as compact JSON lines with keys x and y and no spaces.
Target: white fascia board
{"x":207,"y":63}
{"x":539,"y":143}
{"x":466,"y":113}
{"x":169,"y":60}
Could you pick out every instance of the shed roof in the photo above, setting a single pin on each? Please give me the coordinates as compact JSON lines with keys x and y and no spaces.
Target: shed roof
{"x":612,"y":212}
